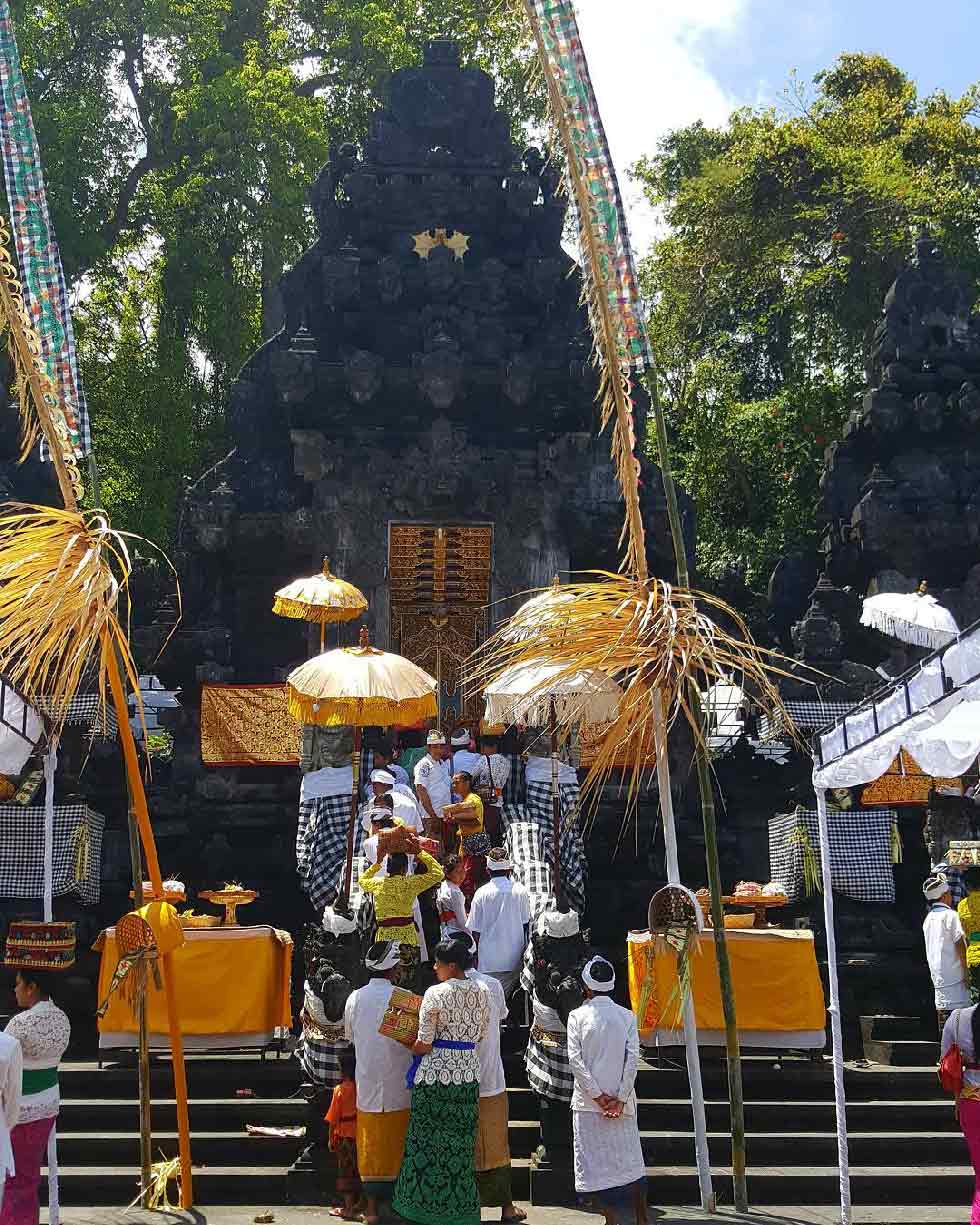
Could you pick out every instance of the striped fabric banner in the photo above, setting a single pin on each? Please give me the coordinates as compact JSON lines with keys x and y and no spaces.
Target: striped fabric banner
{"x":559,"y":41}
{"x":42,"y":276}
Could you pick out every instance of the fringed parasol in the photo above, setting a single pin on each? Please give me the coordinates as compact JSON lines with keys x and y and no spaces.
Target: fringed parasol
{"x":916,"y":618}
{"x":542,"y":693}
{"x":322,"y":599}
{"x":359,"y":687}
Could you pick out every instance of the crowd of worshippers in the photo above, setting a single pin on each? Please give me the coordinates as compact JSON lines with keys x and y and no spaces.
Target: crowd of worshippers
{"x":425,"y":1127}
{"x":442,"y":831}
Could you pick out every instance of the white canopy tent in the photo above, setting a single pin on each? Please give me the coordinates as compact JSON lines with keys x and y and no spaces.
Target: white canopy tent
{"x":933,"y":713}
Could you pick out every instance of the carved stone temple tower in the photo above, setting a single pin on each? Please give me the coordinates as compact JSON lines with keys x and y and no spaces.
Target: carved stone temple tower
{"x":426,"y":417}
{"x":902,"y":487}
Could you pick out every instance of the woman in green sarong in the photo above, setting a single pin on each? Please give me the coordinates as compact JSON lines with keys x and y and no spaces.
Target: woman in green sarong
{"x":437,"y":1182}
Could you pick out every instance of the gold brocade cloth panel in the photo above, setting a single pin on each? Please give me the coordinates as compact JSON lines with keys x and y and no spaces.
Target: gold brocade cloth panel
{"x":248,"y":725}
{"x":904,"y":783}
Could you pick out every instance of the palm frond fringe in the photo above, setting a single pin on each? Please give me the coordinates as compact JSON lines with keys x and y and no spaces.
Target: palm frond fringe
{"x":655,"y":641}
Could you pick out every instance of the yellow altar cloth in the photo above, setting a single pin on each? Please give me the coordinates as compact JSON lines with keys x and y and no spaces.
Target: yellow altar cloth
{"x":232,"y":990}
{"x":779,"y":998}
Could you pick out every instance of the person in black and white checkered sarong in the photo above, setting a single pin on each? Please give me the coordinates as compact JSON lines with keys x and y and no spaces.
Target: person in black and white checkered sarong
{"x":550,"y":975}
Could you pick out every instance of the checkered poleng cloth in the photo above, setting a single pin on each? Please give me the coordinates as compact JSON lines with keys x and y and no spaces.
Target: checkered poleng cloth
{"x":514,"y":787}
{"x":321,"y":846}
{"x":529,"y":838}
{"x":84,"y":710}
{"x":42,"y":276}
{"x":77,"y":864}
{"x":548,"y":1070}
{"x":807,"y":714}
{"x":320,"y":1060}
{"x":860,"y":852}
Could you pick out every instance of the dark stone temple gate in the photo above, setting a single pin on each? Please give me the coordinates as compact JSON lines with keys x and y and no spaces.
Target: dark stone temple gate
{"x":430,"y":392}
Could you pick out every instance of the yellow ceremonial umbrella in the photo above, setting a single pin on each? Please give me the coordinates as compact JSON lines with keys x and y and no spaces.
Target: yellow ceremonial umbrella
{"x":322,"y":598}
{"x":359,"y":687}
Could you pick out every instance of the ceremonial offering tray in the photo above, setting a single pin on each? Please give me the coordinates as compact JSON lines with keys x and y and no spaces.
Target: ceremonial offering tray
{"x":401,"y":1018}
{"x":173,"y":891}
{"x":188,"y":918}
{"x":231,"y":897}
{"x":963,"y":854}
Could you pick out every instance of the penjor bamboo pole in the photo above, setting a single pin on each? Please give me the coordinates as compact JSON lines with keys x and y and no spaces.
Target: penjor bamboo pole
{"x":142,"y":815}
{"x":146,"y":1136}
{"x":734,"y":1061}
{"x":692,"y":1054}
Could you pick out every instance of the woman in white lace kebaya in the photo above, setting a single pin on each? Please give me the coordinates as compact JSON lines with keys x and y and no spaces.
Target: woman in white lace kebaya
{"x":437,"y":1182}
{"x":43,"y":1031}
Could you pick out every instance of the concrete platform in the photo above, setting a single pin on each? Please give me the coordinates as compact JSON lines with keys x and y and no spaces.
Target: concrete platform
{"x":891,"y":1215}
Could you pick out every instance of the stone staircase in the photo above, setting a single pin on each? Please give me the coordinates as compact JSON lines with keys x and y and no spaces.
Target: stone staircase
{"x":905,"y":1147}
{"x":899,"y":1042}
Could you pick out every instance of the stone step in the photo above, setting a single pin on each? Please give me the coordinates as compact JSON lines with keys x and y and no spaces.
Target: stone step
{"x":890,"y":1028}
{"x":209,"y":1149}
{"x":674,"y":1114}
{"x":98,"y":1186}
{"x":764,"y":1078}
{"x":789,"y":1150}
{"x":810,"y":1185}
{"x":668,"y":1185}
{"x":902,"y":1052}
{"x":218,"y":1114}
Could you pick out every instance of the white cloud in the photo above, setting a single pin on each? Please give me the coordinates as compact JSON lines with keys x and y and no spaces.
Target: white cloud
{"x":649,"y":77}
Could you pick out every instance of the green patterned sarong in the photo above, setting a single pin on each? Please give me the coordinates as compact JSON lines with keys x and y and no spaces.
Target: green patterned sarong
{"x":437,"y":1182}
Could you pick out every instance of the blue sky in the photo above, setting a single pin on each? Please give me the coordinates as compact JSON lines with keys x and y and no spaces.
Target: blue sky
{"x":659,"y":64}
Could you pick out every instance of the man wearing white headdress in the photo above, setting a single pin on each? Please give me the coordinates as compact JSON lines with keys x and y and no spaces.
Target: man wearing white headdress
{"x":383,"y":1098}
{"x":403,"y":802}
{"x":499,"y":920}
{"x":604,"y":1053}
{"x":433,"y":782}
{"x":945,"y":948}
{"x":463,"y":756}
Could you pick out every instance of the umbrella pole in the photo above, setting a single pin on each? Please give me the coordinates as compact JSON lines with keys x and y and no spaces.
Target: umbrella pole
{"x":354,"y":797}
{"x":323,"y":627}
{"x":555,"y":798}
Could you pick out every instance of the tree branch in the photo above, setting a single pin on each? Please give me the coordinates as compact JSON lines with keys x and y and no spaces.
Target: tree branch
{"x":307,"y":88}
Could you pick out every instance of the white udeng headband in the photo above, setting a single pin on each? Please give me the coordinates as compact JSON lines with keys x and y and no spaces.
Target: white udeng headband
{"x":388,"y":960}
{"x":592,"y":983}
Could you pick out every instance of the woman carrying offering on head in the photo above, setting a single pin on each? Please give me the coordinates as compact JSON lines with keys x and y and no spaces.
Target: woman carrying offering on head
{"x":43,"y":1031}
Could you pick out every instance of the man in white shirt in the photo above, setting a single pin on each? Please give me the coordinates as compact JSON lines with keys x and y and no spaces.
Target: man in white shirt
{"x":383,"y":1098}
{"x":500,"y":918}
{"x":433,"y":783}
{"x":463,"y":756}
{"x":604,"y":1053}
{"x":403,"y":802}
{"x":945,"y":949}
{"x":492,"y":1143}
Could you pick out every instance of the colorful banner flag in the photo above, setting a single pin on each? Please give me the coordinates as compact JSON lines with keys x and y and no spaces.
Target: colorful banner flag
{"x":559,"y":40}
{"x":42,"y":276}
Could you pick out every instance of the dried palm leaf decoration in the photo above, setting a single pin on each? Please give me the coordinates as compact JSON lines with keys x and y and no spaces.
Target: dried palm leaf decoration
{"x":653,"y":639}
{"x":676,"y":921}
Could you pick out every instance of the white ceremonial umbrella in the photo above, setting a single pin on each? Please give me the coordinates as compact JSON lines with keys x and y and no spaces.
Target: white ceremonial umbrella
{"x":539,"y":693}
{"x":916,"y":617}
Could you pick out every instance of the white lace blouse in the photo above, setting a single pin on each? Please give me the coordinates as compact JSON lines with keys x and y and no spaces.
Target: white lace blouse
{"x":43,"y":1033}
{"x":455,"y":1011}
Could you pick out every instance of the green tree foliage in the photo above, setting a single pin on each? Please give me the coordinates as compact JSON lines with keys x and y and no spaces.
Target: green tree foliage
{"x":785,"y":230}
{"x":179,"y":140}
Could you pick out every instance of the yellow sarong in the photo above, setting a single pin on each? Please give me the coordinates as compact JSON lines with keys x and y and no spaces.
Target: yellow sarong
{"x":381,"y":1144}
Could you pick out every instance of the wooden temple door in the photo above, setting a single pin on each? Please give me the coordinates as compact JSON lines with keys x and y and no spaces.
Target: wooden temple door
{"x":439,"y":589}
